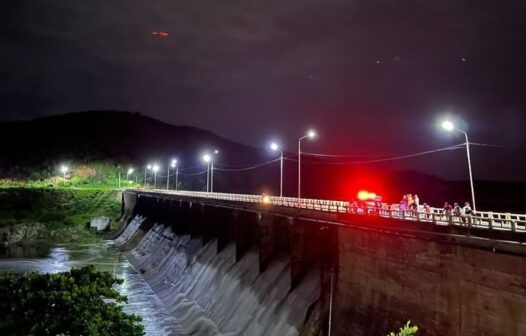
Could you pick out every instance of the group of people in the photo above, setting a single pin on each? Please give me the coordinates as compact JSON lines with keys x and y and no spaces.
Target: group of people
{"x":457,"y":211}
{"x":411,"y":203}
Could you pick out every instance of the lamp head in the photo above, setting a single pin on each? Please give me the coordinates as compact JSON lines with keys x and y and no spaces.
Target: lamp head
{"x":448,"y":125}
{"x":130,"y":171}
{"x":149,"y":167}
{"x":64,"y":169}
{"x":274,"y":146}
{"x":216,"y":152}
{"x":155,"y":168}
{"x":173,"y":163}
{"x":207,"y":158}
{"x":311,"y":134}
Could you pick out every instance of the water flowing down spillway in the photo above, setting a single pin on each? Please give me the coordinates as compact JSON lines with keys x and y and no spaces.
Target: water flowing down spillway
{"x":129,"y":231}
{"x":209,"y":293}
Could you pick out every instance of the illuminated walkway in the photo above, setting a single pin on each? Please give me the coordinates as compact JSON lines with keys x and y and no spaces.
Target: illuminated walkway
{"x":479,"y":219}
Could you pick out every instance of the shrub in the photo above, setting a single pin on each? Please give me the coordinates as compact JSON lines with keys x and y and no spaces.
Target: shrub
{"x":407,"y":330}
{"x":80,"y":302}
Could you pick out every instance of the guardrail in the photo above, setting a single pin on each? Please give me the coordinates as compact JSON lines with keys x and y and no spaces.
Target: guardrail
{"x":480,"y":219}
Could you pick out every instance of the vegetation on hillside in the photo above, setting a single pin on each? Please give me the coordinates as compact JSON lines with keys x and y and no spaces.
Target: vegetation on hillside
{"x":98,"y":175}
{"x":54,"y":213}
{"x":80,"y":302}
{"x":56,"y":206}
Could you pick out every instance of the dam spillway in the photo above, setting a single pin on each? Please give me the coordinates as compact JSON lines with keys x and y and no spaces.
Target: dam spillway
{"x":220,"y":285}
{"x":237,"y":269}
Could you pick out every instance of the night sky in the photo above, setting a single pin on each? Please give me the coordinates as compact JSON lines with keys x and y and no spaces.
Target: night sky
{"x":373,"y":77}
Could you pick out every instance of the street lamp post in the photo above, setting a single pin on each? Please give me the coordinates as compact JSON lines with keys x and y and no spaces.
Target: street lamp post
{"x":274,"y":146}
{"x":148,"y":167}
{"x":64,"y":169}
{"x":212,"y":172}
{"x":155,"y":169}
{"x":172,"y":164}
{"x":207,"y":159}
{"x":128,"y":173}
{"x":311,"y":134}
{"x":450,"y":126}
{"x":212,"y":176}
{"x":176,"y":178}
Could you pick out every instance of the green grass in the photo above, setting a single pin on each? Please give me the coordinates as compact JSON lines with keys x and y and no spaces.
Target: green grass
{"x":64,"y":210}
{"x":63,"y":205}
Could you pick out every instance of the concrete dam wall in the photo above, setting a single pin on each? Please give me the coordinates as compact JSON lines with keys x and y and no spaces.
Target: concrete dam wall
{"x":240,"y":269}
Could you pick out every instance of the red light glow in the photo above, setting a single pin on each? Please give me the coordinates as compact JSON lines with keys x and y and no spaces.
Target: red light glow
{"x":364,"y":195}
{"x":370,"y":180}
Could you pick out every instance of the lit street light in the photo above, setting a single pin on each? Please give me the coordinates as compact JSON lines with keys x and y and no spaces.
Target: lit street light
{"x":212,"y":172}
{"x":155,"y":169}
{"x":148,"y":167}
{"x":172,"y":164}
{"x":450,"y":126}
{"x":311,"y":134}
{"x":207,"y":159}
{"x":176,"y":177}
{"x":128,"y":173}
{"x":274,"y":146}
{"x":64,"y":169}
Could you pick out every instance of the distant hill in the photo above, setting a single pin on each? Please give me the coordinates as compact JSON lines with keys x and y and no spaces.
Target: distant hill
{"x":131,"y":139}
{"x":121,"y":137}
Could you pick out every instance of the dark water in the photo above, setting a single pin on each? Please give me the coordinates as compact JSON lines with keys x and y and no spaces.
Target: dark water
{"x":59,"y":258}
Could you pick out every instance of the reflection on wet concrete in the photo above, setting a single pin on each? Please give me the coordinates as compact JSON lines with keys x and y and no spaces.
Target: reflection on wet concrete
{"x":141,"y":300}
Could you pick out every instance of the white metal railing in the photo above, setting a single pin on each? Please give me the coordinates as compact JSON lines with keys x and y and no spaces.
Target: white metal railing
{"x":479,"y":219}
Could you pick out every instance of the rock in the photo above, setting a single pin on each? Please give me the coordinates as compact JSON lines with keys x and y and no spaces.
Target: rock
{"x":22,"y":233}
{"x":99,"y":223}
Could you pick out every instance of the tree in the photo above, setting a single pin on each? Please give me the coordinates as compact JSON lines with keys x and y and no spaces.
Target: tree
{"x":80,"y":302}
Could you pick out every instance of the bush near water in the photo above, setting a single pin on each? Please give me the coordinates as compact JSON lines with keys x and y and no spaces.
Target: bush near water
{"x":80,"y":302}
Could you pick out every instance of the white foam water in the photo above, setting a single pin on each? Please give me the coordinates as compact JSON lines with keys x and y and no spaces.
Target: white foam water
{"x":212,"y":294}
{"x":129,"y":230}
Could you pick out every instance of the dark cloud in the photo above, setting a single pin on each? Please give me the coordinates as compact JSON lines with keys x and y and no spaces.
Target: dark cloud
{"x":371,"y":75}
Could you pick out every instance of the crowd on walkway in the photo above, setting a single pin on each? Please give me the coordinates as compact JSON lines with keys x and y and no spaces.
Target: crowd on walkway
{"x":411,"y":203}
{"x":410,"y":206}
